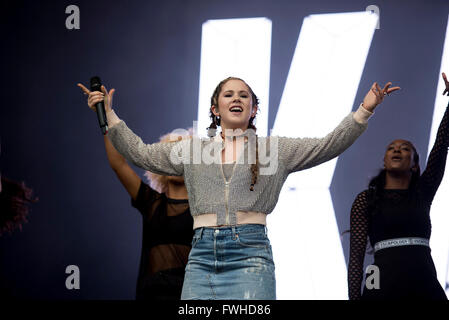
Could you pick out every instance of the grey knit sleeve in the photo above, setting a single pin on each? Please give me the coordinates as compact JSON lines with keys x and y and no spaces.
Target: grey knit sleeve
{"x":302,"y":153}
{"x":160,"y":158}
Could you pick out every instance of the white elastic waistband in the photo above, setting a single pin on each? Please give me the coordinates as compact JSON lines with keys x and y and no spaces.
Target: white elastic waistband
{"x":243,"y":217}
{"x":400,"y":242}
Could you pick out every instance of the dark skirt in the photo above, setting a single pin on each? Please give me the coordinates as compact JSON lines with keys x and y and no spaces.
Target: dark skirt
{"x":406,"y":272}
{"x":163,"y":285}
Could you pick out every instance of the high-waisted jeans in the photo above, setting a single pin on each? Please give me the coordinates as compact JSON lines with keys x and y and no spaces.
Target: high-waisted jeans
{"x":230,"y":263}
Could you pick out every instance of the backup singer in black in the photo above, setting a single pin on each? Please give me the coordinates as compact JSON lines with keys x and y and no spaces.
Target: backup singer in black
{"x":394,"y":214}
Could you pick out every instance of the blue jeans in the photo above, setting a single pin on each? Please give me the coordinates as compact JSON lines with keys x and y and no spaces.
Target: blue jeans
{"x":230,"y":263}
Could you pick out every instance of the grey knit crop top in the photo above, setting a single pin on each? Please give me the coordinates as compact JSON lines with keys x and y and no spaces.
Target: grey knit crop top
{"x":208,"y":190}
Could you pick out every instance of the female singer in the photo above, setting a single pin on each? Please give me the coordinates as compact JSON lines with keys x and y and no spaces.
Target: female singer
{"x":232,"y":187}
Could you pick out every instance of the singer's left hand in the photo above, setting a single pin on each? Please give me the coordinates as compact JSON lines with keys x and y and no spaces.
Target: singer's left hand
{"x":96,"y":96}
{"x":376,"y":95}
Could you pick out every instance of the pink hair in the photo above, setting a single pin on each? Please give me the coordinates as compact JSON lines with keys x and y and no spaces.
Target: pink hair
{"x":159,"y":182}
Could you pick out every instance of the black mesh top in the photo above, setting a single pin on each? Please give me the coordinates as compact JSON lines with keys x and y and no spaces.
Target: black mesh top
{"x":400,"y":213}
{"x":166,"y":243}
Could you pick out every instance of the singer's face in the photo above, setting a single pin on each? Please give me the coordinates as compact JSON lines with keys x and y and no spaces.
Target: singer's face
{"x":235,"y":105}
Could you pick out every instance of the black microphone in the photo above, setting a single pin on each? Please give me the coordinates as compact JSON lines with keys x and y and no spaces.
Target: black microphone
{"x":95,"y":85}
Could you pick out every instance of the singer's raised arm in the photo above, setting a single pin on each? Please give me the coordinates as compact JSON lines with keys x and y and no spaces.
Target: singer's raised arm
{"x":165,"y":158}
{"x":161,"y":158}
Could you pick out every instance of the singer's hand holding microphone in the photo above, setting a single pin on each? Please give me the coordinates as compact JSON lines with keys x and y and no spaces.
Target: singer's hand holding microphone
{"x":96,"y":98}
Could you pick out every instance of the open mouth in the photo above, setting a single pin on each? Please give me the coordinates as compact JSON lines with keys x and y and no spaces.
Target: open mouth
{"x":396,"y":158}
{"x":236,"y":109}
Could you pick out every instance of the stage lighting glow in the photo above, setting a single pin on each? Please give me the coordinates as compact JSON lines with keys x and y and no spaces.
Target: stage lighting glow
{"x":439,"y":241}
{"x":320,"y":90}
{"x":239,"y":48}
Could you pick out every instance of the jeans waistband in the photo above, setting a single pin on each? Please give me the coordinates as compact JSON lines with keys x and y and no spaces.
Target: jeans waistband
{"x":230,"y":231}
{"x":398,"y":242}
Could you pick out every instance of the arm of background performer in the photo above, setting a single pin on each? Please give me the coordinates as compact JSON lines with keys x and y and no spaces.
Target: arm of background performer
{"x":436,"y":163}
{"x":357,"y":248}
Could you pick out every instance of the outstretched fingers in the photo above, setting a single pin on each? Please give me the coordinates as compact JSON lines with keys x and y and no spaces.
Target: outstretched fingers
{"x":104,"y":90}
{"x":85,"y":90}
{"x":390,"y":90}
{"x":387,"y":90}
{"x":387,"y":85}
{"x":108,"y":96}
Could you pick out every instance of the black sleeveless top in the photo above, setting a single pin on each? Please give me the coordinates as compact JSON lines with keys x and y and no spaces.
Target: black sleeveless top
{"x":167,"y":237}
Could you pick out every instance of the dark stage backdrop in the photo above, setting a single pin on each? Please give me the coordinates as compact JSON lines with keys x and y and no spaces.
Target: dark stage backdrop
{"x":150,"y":52}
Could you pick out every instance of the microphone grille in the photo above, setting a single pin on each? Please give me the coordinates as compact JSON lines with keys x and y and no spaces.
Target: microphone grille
{"x":95,"y":83}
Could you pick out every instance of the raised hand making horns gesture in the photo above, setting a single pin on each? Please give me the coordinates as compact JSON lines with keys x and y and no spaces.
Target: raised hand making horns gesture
{"x":95,"y":96}
{"x":376,"y":95}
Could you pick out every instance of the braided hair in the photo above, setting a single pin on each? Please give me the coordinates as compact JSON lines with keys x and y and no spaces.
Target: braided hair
{"x":216,"y":122}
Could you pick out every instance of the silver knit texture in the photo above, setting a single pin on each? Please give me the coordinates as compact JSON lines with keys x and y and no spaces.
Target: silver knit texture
{"x":205,"y":182}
